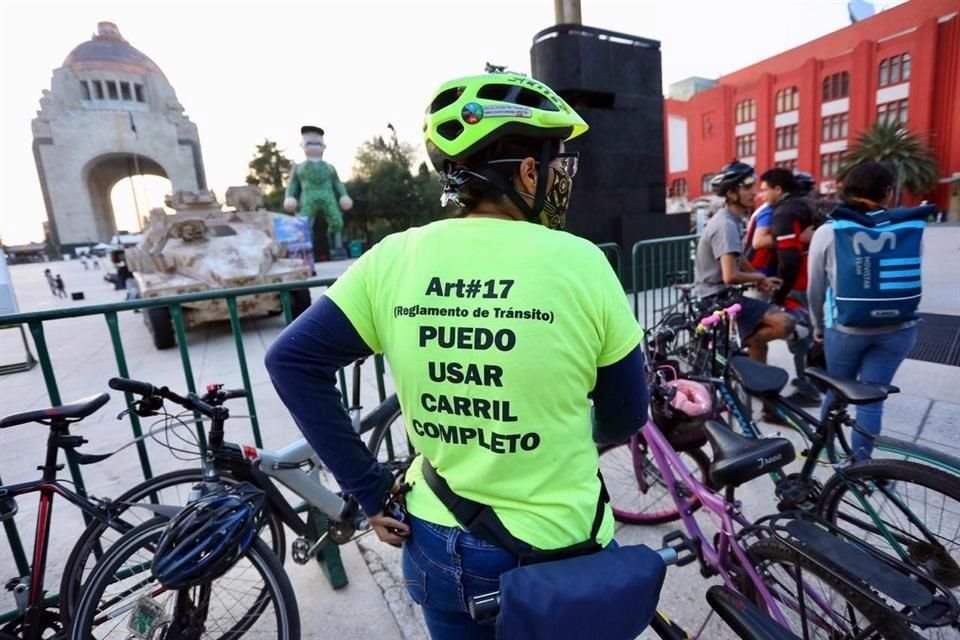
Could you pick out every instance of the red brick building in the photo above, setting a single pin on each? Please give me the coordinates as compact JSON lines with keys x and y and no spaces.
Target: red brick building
{"x":801,"y":109}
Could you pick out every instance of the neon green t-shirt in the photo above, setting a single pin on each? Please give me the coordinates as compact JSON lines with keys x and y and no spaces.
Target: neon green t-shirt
{"x":493,"y":330}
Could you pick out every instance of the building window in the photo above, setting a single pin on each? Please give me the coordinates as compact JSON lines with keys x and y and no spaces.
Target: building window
{"x":747,"y":145}
{"x":788,"y":99}
{"x":830,"y":164}
{"x":138,"y":92}
{"x":746,"y":111}
{"x":112,"y":90}
{"x":84,"y":90}
{"x":893,"y":112}
{"x":678,"y":188}
{"x":705,"y":183}
{"x":835,"y":127}
{"x":895,"y":69}
{"x":836,"y":86}
{"x":787,"y":138}
{"x":786,"y":164}
{"x":97,"y":89}
{"x":125,"y":91}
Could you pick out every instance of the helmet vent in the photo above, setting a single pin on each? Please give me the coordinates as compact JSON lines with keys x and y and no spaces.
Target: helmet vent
{"x":445,"y":99}
{"x":516,"y":95}
{"x":450,"y":129}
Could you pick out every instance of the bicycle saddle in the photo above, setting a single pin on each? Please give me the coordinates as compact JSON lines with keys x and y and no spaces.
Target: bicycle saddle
{"x":738,"y":459}
{"x":851,"y":391}
{"x":757,"y":378}
{"x":74,"y":411}
{"x":744,"y":617}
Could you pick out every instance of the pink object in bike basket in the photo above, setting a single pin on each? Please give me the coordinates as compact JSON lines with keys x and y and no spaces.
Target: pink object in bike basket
{"x":692,"y":398}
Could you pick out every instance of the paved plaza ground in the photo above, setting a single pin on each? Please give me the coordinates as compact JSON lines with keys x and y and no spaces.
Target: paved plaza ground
{"x":375,"y":603}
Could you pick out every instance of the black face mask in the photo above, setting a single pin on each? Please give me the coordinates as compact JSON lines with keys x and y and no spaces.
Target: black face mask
{"x":557,"y":201}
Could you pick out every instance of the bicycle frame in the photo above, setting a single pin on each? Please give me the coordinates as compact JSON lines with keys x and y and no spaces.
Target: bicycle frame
{"x":822,"y":435}
{"x":720,"y":558}
{"x":48,"y":487}
{"x":715,"y":558}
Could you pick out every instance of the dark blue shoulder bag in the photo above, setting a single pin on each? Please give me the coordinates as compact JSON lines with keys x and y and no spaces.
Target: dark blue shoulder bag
{"x":580,"y":591}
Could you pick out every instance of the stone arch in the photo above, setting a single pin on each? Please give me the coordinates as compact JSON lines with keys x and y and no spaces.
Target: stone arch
{"x":103,"y":172}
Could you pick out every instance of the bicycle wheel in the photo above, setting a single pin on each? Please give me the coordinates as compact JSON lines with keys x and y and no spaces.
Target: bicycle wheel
{"x":919,"y":507}
{"x":814,"y":601}
{"x":122,"y":599}
{"x":638,"y":492}
{"x":388,"y":438}
{"x":169,"y":489}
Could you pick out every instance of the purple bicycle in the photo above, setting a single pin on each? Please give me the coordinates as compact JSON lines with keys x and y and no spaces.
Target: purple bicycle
{"x":809,"y":576}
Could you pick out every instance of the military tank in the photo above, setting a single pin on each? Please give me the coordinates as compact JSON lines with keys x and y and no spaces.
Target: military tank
{"x":205,"y":247}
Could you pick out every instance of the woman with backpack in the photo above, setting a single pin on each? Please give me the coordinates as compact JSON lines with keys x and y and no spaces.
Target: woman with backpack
{"x":864,"y":287}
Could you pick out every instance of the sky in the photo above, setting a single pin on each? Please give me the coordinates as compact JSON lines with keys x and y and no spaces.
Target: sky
{"x":246,"y":71}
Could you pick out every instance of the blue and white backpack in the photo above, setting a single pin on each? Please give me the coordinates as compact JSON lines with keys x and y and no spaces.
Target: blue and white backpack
{"x":878,"y":257}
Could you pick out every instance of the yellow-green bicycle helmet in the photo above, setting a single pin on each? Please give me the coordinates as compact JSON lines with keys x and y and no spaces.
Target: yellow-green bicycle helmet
{"x":468,"y":114}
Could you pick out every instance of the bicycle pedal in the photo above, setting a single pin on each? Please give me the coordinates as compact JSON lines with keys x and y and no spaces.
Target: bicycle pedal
{"x":681,"y":543}
{"x":300,"y":551}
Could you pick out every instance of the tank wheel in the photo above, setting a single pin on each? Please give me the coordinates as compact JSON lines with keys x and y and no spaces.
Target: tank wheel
{"x":160,"y":323}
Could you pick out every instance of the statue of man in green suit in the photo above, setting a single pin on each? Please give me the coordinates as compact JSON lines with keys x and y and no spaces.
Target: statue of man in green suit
{"x":315,"y":189}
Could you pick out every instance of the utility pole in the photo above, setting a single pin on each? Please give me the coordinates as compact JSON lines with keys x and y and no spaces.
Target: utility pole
{"x":567,"y":11}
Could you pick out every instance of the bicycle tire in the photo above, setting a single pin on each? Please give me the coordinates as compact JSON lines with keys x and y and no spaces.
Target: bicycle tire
{"x":381,"y":422}
{"x":624,"y":480}
{"x":884,"y":625}
{"x":79,"y":561}
{"x":276,"y":585}
{"x":940,"y":558}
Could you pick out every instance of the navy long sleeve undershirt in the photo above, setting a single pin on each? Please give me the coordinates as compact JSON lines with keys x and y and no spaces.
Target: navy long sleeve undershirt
{"x":303,"y":362}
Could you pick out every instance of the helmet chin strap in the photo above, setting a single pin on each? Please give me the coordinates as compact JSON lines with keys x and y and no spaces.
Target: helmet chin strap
{"x":531,"y":213}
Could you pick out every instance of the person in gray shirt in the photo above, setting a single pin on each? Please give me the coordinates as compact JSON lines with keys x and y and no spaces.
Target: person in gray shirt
{"x":719,"y":262}
{"x":868,"y":354}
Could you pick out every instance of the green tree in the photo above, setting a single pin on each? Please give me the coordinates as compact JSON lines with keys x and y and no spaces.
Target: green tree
{"x":387,"y":195}
{"x":269,"y":170}
{"x":909,"y":157}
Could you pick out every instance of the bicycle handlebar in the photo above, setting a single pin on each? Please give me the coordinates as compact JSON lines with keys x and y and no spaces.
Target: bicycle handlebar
{"x":192,"y":401}
{"x":717,"y":315}
{"x":132,"y":386}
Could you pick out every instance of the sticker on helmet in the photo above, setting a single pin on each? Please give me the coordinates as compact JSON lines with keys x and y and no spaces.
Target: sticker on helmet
{"x":508,"y":111}
{"x":472,"y":113}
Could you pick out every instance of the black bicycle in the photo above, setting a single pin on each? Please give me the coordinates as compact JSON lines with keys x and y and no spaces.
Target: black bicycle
{"x":325,"y":517}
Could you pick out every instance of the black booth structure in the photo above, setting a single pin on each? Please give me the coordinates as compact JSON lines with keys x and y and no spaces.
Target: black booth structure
{"x":614,"y":81}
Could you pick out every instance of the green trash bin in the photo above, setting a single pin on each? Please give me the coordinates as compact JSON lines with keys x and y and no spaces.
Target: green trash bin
{"x":355,"y":248}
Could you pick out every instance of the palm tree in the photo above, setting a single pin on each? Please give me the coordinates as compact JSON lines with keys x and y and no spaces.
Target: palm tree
{"x":911,"y":159}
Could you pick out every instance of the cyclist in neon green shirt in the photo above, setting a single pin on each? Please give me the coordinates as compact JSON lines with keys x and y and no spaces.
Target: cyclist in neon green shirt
{"x":497,"y":326}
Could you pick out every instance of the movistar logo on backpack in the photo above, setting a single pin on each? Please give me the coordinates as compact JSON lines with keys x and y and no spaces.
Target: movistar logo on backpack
{"x":878,"y":259}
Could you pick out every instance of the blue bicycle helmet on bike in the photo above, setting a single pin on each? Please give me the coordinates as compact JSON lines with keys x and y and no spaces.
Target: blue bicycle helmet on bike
{"x":208,"y":537}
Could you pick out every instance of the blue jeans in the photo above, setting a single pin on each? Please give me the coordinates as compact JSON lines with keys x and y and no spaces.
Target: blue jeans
{"x":444,"y":568}
{"x":867,"y":358}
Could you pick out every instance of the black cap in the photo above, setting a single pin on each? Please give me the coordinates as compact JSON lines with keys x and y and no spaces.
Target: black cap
{"x":309,"y":128}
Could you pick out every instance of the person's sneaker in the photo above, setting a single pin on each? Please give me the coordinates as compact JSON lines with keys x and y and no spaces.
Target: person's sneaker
{"x":804,"y":399}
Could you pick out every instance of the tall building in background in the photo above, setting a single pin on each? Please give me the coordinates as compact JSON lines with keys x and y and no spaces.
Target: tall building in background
{"x":110,"y":114}
{"x":803,"y":108}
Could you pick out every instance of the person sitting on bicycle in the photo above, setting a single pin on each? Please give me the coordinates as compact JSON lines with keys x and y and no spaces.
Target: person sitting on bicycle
{"x":496,"y":325}
{"x":719,"y":262}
